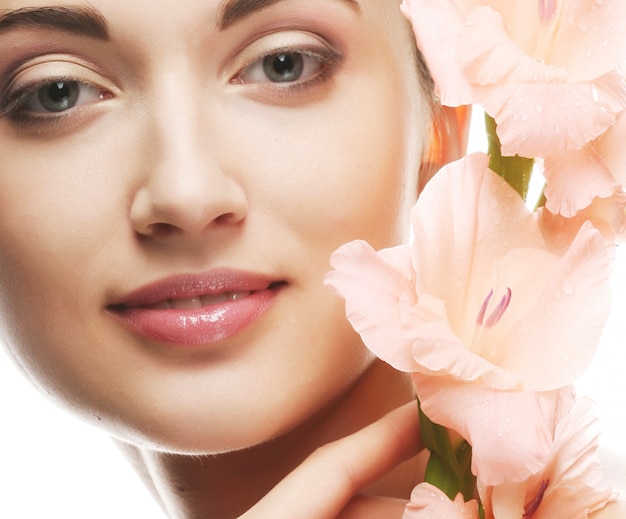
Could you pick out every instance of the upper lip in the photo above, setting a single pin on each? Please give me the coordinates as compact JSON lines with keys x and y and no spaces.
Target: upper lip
{"x":187,"y":286}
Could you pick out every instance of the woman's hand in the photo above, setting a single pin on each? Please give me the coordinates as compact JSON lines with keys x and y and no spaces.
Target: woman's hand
{"x":326,"y":485}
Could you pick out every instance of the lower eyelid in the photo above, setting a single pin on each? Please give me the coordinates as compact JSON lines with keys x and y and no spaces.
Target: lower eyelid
{"x":323,"y":59}
{"x":14,"y":104}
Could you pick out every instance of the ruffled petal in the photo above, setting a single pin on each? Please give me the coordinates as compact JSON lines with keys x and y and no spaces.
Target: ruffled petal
{"x":463,"y":222}
{"x":586,"y":36}
{"x":555,"y":341}
{"x":376,"y":308}
{"x":576,"y":443}
{"x":428,"y":501}
{"x":611,"y":147}
{"x":508,"y":430}
{"x":568,"y":485}
{"x":435,"y":23}
{"x":540,"y":105}
{"x":437,"y":350}
{"x":537,"y":119}
{"x":574,"y":178}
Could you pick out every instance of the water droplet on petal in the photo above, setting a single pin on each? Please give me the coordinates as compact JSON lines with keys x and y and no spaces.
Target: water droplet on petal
{"x":568,"y":288}
{"x":539,"y":108}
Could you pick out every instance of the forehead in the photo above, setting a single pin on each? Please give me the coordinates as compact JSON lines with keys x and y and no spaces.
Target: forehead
{"x":224,"y":13}
{"x":175,"y":27}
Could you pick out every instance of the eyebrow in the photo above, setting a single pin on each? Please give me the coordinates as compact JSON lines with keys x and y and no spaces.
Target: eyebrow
{"x":233,"y":11}
{"x":80,"y":20}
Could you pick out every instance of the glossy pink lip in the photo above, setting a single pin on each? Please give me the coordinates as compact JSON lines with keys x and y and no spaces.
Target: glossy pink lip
{"x":196,"y":309}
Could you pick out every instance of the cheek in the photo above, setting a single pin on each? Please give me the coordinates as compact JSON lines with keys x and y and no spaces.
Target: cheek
{"x":355,"y":177}
{"x":57,"y":212}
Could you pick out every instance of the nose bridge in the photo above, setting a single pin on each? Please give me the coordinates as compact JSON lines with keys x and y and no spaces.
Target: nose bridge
{"x":178,"y":122}
{"x":185,"y":187}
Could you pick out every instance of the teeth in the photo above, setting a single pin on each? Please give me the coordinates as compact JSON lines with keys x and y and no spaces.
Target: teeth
{"x":186,"y":304}
{"x":165,"y":305}
{"x":199,"y":302}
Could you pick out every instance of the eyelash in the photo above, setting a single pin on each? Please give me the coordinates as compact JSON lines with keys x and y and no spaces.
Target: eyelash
{"x":326,"y":61}
{"x":14,"y":107}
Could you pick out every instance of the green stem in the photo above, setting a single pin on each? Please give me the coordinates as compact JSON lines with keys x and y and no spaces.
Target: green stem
{"x":515,"y":170}
{"x":448,"y":466}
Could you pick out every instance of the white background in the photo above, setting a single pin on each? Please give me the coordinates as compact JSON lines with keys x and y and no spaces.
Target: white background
{"x":52,"y":465}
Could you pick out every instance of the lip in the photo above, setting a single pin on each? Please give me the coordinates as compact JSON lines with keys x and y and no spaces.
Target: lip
{"x":196,"y":309}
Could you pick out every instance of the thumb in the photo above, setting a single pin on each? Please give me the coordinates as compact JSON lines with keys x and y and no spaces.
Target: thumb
{"x":323,"y":485}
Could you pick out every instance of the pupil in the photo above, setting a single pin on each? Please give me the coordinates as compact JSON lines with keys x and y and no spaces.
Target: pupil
{"x":283,"y":64}
{"x":283,"y":67}
{"x":59,"y":96}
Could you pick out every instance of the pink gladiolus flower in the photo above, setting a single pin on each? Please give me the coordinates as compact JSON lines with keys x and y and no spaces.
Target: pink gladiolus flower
{"x":587,"y":184}
{"x":568,"y":486}
{"x":606,"y":214}
{"x":576,"y":180}
{"x":546,"y":70}
{"x":482,"y":313}
{"x":428,"y":501}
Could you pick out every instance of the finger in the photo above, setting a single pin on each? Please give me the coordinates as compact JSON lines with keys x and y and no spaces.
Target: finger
{"x":325,"y":483}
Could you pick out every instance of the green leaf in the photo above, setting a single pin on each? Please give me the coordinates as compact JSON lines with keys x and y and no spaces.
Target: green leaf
{"x":516,"y":170}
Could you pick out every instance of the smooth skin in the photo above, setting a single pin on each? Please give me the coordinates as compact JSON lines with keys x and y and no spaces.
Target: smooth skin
{"x":180,"y":155}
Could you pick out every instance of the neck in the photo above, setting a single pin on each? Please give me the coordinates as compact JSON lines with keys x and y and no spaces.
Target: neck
{"x":226,"y":485}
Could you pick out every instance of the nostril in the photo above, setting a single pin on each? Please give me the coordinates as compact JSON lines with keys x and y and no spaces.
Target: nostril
{"x":159,"y":230}
{"x":227,"y":218}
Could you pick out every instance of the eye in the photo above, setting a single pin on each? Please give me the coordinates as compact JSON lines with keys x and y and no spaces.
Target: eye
{"x":281,"y":68}
{"x":289,"y":66}
{"x":54,"y":97}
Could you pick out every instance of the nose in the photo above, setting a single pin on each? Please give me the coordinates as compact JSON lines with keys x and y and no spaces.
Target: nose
{"x":185,"y":190}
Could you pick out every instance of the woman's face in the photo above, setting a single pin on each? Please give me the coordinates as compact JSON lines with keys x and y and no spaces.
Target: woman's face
{"x":171,"y":187}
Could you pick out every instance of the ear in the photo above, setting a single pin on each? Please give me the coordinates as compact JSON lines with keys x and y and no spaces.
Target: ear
{"x":448,"y":140}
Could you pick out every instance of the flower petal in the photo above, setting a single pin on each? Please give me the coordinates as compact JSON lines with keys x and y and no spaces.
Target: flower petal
{"x":587,"y":37}
{"x":608,"y":215}
{"x":539,"y":118}
{"x":437,"y":350}
{"x":435,"y":23}
{"x":570,"y":480}
{"x":466,"y":219}
{"x":428,"y":501}
{"x":556,"y":340}
{"x":375,"y":309}
{"x":574,"y":178}
{"x":508,"y":430}
{"x":539,"y":105}
{"x":610,"y":146}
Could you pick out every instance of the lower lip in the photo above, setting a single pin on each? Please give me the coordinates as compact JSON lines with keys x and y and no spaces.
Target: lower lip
{"x":199,"y":326}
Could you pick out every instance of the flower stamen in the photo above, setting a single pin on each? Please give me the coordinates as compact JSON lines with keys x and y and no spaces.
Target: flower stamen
{"x":533,"y":505}
{"x":483,"y":309}
{"x":497,"y":312}
{"x":547,"y":10}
